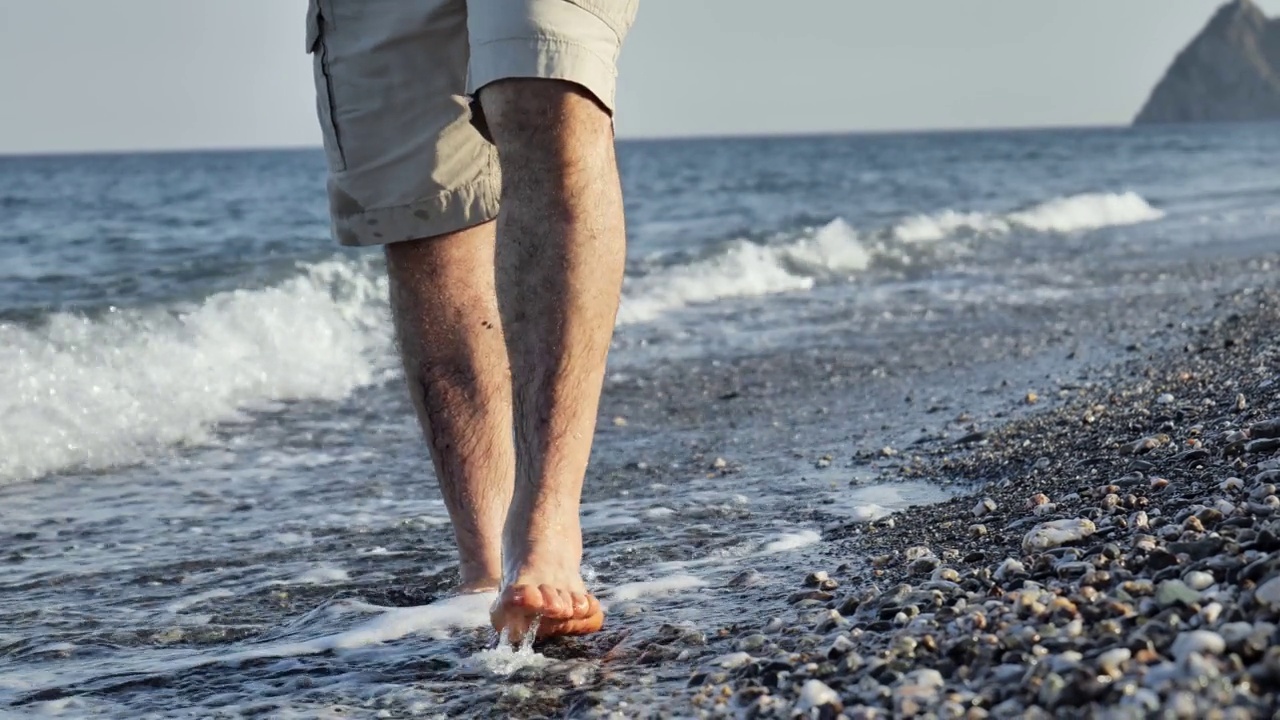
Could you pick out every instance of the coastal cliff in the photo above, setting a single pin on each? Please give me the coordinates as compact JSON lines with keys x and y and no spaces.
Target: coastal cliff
{"x":1229,"y":73}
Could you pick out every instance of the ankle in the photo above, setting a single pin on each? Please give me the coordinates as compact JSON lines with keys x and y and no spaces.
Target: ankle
{"x":479,"y":576}
{"x":526,"y":559}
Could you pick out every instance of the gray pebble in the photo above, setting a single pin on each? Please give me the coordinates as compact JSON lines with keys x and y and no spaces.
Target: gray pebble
{"x":1268,"y":593}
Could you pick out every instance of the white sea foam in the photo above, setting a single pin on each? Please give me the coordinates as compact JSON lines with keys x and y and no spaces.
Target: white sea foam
{"x":321,"y":576}
{"x":101,"y":392}
{"x":505,"y":660}
{"x":931,"y":228}
{"x":437,"y":620}
{"x":1087,"y":212}
{"x":746,"y":269}
{"x":634,"y":590}
{"x":792,"y":541}
{"x":182,"y":604}
{"x":1076,"y":213}
{"x":749,"y":269}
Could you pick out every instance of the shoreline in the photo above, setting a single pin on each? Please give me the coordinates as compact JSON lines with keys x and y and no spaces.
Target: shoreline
{"x":1114,"y":557}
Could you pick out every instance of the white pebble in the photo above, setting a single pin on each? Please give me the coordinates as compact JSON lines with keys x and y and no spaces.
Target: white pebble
{"x":842,"y":644}
{"x":925,"y":678}
{"x":1210,"y":613}
{"x":918,"y":552}
{"x":1231,"y":484}
{"x":734,"y":660}
{"x":1164,"y":399}
{"x":1009,"y":567}
{"x":1204,"y":642}
{"x":984,"y":506}
{"x":816,"y":694}
{"x":1198,"y":579}
{"x":1111,"y":660}
{"x":1140,"y":520}
{"x":1057,"y":532}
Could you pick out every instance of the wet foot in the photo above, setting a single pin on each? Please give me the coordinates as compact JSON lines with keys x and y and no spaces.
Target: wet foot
{"x":559,"y":606}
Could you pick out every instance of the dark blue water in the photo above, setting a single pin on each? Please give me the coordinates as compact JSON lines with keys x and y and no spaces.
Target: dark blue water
{"x":198,"y":388}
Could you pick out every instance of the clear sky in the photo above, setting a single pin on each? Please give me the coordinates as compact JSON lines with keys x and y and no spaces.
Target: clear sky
{"x":134,"y":74}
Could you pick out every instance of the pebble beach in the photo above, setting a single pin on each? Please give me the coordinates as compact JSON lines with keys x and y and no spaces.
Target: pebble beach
{"x":1115,"y":557}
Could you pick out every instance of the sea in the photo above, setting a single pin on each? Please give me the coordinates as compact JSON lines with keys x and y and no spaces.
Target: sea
{"x":215,"y":502}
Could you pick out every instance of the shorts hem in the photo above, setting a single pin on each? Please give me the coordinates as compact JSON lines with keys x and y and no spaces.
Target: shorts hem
{"x":545,"y":58}
{"x":447,"y":212}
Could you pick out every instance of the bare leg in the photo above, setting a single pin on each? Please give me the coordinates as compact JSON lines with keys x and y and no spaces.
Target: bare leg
{"x":455,"y":360}
{"x":561,"y":251}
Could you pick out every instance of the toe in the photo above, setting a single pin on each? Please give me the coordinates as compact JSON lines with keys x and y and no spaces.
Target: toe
{"x":581,"y":605}
{"x":556,"y":605}
{"x":525,"y":598}
{"x":577,"y":626}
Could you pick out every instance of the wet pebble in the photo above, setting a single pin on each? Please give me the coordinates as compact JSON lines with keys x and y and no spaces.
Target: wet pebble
{"x":1144,"y":445}
{"x":1265,"y":429}
{"x":1262,"y":446}
{"x":1009,"y":568}
{"x":775,"y":625}
{"x":924,"y":565}
{"x":747,"y":578}
{"x":814,"y":579}
{"x":985,"y":506}
{"x":815,"y":694}
{"x":733,"y":660}
{"x":1057,"y":532}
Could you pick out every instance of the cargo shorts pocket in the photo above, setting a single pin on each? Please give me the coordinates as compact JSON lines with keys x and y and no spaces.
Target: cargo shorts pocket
{"x":325,"y":108}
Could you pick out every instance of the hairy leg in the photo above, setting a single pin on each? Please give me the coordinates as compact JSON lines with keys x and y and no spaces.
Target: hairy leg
{"x":560,"y":258}
{"x":455,"y":360}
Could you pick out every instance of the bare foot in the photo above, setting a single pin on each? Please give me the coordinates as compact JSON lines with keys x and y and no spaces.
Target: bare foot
{"x":559,"y":608}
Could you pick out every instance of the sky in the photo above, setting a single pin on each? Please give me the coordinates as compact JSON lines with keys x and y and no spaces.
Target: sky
{"x":82,"y":75}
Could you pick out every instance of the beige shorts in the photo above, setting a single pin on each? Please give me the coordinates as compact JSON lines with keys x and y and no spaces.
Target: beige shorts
{"x":394,"y":83}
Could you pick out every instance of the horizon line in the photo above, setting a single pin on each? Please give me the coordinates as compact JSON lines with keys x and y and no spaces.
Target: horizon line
{"x":624,"y":139}
{"x":639,"y":138}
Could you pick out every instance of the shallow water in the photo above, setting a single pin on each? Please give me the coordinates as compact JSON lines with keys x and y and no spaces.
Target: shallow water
{"x":213,"y":498}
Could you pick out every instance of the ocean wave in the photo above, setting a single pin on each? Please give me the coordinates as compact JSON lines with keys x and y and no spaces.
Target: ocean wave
{"x":95,"y":393}
{"x":746,"y":269}
{"x":750,"y":269}
{"x":1075,"y":213}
